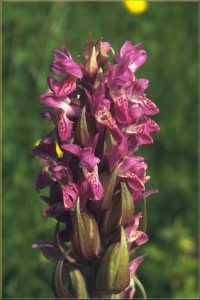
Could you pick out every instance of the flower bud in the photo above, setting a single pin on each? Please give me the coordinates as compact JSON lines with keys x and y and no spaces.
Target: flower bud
{"x":82,"y":134}
{"x":120,"y":213}
{"x":113,"y":273}
{"x":112,"y":218}
{"x":108,"y":190}
{"x":86,"y":235}
{"x":91,"y":65}
{"x":127,"y":205}
{"x":92,"y":231}
{"x":77,"y":283}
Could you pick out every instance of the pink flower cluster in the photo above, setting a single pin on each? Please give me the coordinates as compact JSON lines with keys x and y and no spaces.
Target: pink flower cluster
{"x":100,"y":116}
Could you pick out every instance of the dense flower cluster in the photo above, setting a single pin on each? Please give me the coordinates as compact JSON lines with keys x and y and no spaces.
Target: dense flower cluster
{"x":100,"y":116}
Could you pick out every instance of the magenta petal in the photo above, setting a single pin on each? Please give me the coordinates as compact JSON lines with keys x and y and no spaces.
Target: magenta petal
{"x":135,"y":112}
{"x":106,"y":46}
{"x":63,"y":62}
{"x":43,"y":180}
{"x":96,"y":190}
{"x":72,"y":148}
{"x":135,"y":183}
{"x":59,"y":55}
{"x":110,"y":123}
{"x":46,"y":148}
{"x":137,"y":57}
{"x":148,"y":106}
{"x":121,"y":109}
{"x":65,"y":127}
{"x":50,"y":100}
{"x":70,"y":195}
{"x":151,"y":126}
{"x":129,"y":293}
{"x":64,"y":87}
{"x":150,"y":192}
{"x":142,"y":238}
{"x":118,"y":152}
{"x":133,"y":226}
{"x":134,"y":264}
{"x":130,"y":163}
{"x":60,"y":172}
{"x":142,"y":134}
{"x":144,"y":138}
{"x":53,"y":210}
{"x":127,"y":46}
{"x":49,"y":250}
{"x":99,"y":102}
{"x":87,"y":159}
{"x":138,"y":88}
{"x":72,"y":110}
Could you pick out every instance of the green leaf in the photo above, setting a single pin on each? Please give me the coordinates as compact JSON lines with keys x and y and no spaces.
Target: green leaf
{"x":127,"y":205}
{"x":140,"y":285}
{"x":108,"y":190}
{"x":81,"y":239}
{"x":82,"y":135}
{"x":58,"y":287}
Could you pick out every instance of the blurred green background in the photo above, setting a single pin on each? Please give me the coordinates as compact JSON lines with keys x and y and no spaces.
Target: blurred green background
{"x":168,"y":32}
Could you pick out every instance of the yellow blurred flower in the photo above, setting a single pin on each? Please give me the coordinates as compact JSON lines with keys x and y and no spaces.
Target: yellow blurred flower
{"x":186,"y":245}
{"x":136,"y":6}
{"x":58,"y":150}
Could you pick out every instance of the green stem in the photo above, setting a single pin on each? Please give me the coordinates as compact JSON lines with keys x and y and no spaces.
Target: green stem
{"x":140,"y":285}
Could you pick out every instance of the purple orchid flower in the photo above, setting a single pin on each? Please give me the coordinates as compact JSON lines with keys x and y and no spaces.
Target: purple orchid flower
{"x":62,"y":88}
{"x":43,"y":180}
{"x":129,"y":292}
{"x":100,"y":109}
{"x":100,"y":114}
{"x":46,"y":149}
{"x":65,"y":127}
{"x":135,"y":55}
{"x":64,"y":64}
{"x":134,"y":170}
{"x":88,"y":163}
{"x":50,"y":251}
{"x":70,"y":194}
{"x":133,"y":234}
{"x":63,"y":103}
{"x":141,"y":132}
{"x":60,"y":172}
